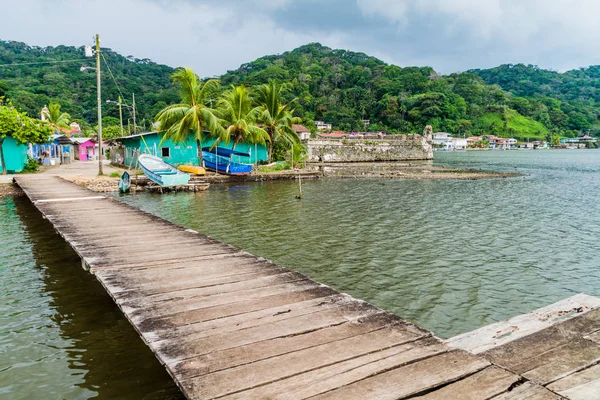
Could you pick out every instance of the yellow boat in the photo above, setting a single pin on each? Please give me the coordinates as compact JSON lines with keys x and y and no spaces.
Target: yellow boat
{"x":192,"y":169}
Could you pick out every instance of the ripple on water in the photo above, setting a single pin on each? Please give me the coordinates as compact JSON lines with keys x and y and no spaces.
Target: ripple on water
{"x":448,"y":255}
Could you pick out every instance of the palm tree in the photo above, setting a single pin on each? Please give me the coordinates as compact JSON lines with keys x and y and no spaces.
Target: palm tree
{"x":192,"y":116}
{"x":239,"y":118}
{"x":275,"y":116}
{"x":56,"y":118}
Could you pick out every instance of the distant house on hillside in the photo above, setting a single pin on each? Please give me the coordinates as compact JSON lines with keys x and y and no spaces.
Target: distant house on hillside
{"x":322,"y":126}
{"x":445,"y":141}
{"x":335,"y":135}
{"x":472,"y":140}
{"x":302,"y":131}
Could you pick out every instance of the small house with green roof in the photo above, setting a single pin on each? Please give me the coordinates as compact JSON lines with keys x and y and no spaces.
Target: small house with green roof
{"x":178,"y":153}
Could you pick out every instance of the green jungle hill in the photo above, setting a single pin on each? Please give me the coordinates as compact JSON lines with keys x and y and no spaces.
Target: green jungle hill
{"x":336,"y":86}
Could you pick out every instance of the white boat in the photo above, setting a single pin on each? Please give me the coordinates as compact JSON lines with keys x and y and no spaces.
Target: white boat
{"x":161,"y":172}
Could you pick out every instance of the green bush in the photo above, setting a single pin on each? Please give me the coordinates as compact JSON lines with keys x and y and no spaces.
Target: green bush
{"x":279,"y":166}
{"x":31,"y":165}
{"x":115,"y":175}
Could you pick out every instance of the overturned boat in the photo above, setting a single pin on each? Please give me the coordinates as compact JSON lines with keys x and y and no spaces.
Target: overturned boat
{"x":219,"y":159}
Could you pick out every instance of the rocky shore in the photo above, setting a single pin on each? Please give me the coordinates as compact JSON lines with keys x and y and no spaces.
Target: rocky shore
{"x":8,"y":189}
{"x":417,"y":170}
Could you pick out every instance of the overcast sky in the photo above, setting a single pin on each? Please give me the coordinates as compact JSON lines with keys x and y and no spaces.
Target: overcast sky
{"x":213,"y":36}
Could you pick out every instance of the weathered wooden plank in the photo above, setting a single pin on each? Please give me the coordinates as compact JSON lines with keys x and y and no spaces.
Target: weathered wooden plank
{"x":484,"y":384}
{"x":237,"y":321}
{"x":212,"y":266}
{"x":164,"y":263}
{"x":506,"y":331}
{"x":582,"y":385}
{"x":232,"y":380}
{"x":412,"y":379}
{"x":278,"y":325}
{"x":194,"y":293}
{"x":528,"y":391}
{"x":130,"y":288}
{"x":247,"y":354}
{"x":138,"y":308}
{"x":562,"y":361}
{"x":328,"y":378}
{"x":551,"y":353}
{"x":232,"y":309}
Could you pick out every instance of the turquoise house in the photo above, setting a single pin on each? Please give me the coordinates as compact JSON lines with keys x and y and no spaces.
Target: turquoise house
{"x":179,"y":153}
{"x":15,"y":155}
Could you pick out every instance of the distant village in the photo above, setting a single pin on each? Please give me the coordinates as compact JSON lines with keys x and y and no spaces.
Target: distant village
{"x":443,"y":141}
{"x":68,"y":144}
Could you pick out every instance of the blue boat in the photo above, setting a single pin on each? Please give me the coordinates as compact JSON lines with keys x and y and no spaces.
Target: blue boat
{"x":219,"y":159}
{"x":124,"y":182}
{"x":162,"y":173}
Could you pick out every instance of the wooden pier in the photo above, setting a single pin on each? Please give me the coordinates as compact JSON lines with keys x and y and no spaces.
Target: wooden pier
{"x":227,"y":324}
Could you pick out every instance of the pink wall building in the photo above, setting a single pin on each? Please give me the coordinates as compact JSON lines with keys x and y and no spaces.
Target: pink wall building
{"x":85,"y":149}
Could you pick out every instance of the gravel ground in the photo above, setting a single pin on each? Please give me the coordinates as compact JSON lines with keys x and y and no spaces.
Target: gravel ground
{"x":8,"y":189}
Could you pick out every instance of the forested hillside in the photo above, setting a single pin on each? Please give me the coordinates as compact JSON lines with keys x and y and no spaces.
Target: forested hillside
{"x":344,"y":87}
{"x":33,"y":85}
{"x":337,"y":86}
{"x":576,"y":93}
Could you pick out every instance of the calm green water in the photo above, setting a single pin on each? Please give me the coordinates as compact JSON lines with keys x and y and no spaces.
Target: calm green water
{"x":61,"y":336}
{"x":448,"y":255}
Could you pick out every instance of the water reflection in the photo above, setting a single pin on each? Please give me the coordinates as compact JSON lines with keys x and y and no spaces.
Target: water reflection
{"x":74,"y":343}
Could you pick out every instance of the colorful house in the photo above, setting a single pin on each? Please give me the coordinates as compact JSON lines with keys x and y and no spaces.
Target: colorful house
{"x":15,"y":155}
{"x":85,"y":149}
{"x":177,"y":153}
{"x":57,"y":150}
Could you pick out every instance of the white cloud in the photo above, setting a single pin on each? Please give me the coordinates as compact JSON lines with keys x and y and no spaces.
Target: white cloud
{"x":213,"y":36}
{"x":555,"y":33}
{"x":210,"y":38}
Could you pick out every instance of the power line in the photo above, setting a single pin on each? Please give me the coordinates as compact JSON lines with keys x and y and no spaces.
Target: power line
{"x":116,"y":83}
{"x":43,"y":62}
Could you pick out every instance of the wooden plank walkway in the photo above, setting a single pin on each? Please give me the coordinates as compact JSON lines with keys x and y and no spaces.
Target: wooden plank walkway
{"x":230,"y":325}
{"x":557,"y":346}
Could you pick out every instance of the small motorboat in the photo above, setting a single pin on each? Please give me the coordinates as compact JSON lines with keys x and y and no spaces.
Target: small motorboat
{"x":124,"y":182}
{"x":161,"y":172}
{"x":219,"y":159}
{"x":192,"y":169}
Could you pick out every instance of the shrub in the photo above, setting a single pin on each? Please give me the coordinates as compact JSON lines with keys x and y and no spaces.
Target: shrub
{"x":31,"y":165}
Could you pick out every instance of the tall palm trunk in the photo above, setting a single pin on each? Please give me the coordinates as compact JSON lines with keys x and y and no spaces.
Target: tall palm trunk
{"x":2,"y":157}
{"x":271,"y":133}
{"x":199,"y":145}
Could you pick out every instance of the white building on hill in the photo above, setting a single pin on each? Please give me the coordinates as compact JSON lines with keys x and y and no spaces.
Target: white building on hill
{"x":445,"y":141}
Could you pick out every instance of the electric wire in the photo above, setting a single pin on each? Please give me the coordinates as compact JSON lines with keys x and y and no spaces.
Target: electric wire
{"x":116,"y":84}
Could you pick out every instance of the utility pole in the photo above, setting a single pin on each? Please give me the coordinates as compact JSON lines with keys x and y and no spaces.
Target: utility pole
{"x":121,"y":116}
{"x":100,"y":172}
{"x":134,"y":125}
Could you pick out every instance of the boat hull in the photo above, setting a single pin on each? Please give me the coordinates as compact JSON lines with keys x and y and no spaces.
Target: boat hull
{"x":223,"y":165}
{"x":124,"y":182}
{"x":192,"y":169}
{"x":162,"y":173}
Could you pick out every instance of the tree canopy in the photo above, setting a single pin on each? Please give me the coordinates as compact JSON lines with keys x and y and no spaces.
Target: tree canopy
{"x":20,"y":127}
{"x":340,"y":87}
